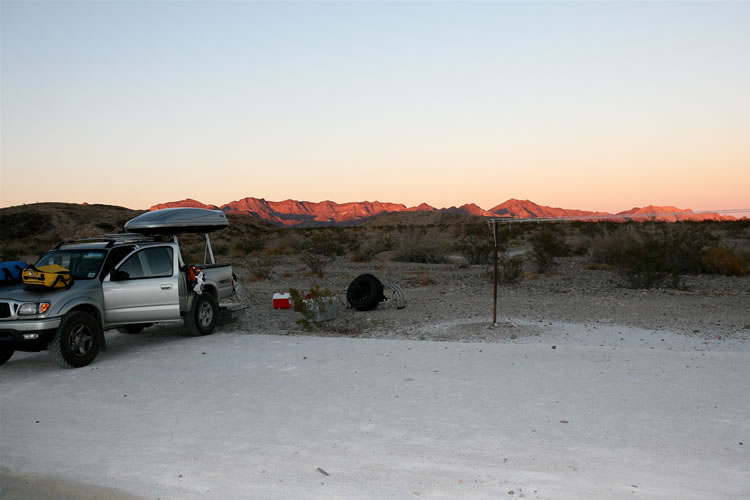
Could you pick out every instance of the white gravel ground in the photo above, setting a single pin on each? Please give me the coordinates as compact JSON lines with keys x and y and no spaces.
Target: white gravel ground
{"x":578,"y":411}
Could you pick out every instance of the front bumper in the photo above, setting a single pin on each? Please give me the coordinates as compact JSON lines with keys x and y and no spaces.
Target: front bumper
{"x":28,"y":335}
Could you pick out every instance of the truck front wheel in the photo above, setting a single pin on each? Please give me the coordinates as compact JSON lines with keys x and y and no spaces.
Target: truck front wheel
{"x":202,"y":317}
{"x":77,"y":340}
{"x":5,"y":354}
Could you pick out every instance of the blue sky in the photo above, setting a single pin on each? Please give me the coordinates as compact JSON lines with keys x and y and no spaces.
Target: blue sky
{"x":582,"y":105}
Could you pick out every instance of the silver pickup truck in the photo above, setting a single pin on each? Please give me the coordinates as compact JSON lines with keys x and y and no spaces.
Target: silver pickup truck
{"x":125,"y":281}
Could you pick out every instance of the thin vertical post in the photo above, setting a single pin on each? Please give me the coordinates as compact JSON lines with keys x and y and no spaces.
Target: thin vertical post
{"x":494,"y":293}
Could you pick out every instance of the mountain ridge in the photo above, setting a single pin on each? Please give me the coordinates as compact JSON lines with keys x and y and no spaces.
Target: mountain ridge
{"x":328,"y":213}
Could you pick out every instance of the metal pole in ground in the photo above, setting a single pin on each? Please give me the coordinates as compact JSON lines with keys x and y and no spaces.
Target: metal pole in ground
{"x":494,"y":294}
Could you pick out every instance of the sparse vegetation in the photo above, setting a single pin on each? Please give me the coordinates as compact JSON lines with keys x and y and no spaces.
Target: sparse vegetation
{"x":645,"y":255}
{"x":547,"y":244}
{"x":420,"y":247}
{"x":475,"y":243}
{"x":315,"y":262}
{"x":510,"y":269}
{"x":724,"y":261}
{"x":261,"y":269}
{"x":250,"y":245}
{"x":371,"y":247}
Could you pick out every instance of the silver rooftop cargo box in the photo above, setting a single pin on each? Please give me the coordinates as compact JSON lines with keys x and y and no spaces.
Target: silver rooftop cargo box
{"x":178,"y":220}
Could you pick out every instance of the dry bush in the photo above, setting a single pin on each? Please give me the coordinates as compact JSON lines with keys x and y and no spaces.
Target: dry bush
{"x":646,"y":253}
{"x":476,"y":244}
{"x":326,"y":243}
{"x":724,"y":261}
{"x":250,"y":245}
{"x":261,"y":269}
{"x":510,"y":269}
{"x":607,"y":247}
{"x":547,"y":244}
{"x":420,"y":247}
{"x":316,"y":263}
{"x":371,"y":247}
{"x":287,"y":243}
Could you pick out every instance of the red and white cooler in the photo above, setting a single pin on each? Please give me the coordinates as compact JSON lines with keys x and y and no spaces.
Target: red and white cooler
{"x":281,"y":301}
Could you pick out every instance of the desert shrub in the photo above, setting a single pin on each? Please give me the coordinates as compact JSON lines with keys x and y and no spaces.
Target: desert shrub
{"x":285,"y":243}
{"x":346,"y":240}
{"x":546,"y":244}
{"x":220,"y":249}
{"x":685,"y":244}
{"x":315,"y":262}
{"x":322,"y":243}
{"x":475,"y":243}
{"x":420,"y":247}
{"x":590,"y":229}
{"x":607,"y":247}
{"x":642,"y":265}
{"x":260,"y":269}
{"x":250,"y":245}
{"x":510,"y":269}
{"x":370,"y":248}
{"x":724,"y":261}
{"x":645,"y":254}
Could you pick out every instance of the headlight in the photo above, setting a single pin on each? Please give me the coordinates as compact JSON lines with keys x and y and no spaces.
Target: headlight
{"x":33,"y":308}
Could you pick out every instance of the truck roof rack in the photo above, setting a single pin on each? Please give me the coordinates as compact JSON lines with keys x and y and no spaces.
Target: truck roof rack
{"x":109,"y":239}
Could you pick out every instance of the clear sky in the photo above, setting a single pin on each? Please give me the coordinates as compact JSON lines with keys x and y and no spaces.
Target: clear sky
{"x":600,"y":106}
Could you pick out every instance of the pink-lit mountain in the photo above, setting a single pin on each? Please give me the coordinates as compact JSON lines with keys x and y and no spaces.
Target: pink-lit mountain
{"x":306,"y":213}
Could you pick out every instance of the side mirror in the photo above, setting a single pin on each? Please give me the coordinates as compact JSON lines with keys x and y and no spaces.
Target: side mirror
{"x":117,"y":275}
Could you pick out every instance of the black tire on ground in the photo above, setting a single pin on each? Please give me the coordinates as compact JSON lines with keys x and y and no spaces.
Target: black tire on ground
{"x":77,"y":340}
{"x":202,"y":317}
{"x":136,"y":328}
{"x":365,"y":292}
{"x":5,"y":354}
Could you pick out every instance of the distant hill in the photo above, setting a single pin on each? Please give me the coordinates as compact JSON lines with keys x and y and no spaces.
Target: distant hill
{"x":329,"y":213}
{"x":30,"y":230}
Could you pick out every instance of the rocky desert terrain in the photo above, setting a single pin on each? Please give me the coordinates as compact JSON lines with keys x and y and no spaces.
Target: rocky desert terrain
{"x":455,"y":303}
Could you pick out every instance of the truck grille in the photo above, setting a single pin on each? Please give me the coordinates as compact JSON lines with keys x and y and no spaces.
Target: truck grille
{"x":4,"y":310}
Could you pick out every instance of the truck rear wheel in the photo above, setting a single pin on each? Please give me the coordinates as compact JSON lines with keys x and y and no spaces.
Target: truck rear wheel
{"x":202,"y":317}
{"x":77,"y":340}
{"x":5,"y":354}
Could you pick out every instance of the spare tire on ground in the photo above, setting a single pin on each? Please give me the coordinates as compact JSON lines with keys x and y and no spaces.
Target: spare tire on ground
{"x":365,"y":292}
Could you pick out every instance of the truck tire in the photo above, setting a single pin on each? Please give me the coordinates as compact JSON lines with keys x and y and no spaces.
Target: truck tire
{"x":5,"y":354}
{"x":202,"y":317}
{"x":77,"y":340}
{"x":365,"y":292}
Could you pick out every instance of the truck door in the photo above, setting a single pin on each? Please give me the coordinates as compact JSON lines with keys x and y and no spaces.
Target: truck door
{"x":143,"y":289}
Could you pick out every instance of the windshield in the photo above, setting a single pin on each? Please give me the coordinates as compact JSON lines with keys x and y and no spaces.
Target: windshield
{"x":82,"y":264}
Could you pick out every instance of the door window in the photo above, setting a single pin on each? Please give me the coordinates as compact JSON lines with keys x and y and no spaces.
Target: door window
{"x":149,"y":263}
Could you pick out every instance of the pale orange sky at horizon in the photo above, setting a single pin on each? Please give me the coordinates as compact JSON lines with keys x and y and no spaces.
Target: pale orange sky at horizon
{"x":604,"y":106}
